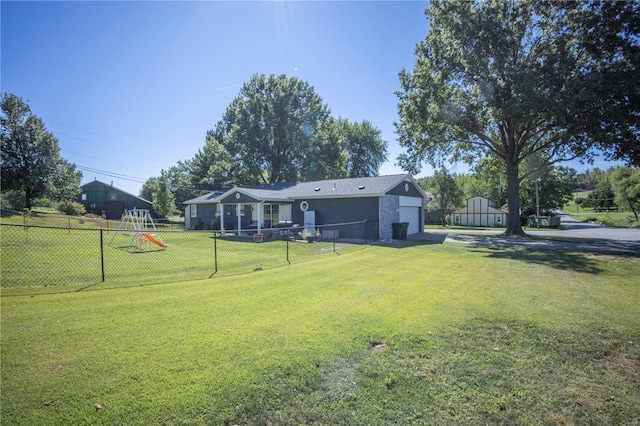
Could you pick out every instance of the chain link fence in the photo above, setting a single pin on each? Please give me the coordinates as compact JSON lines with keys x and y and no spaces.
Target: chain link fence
{"x":51,"y":259}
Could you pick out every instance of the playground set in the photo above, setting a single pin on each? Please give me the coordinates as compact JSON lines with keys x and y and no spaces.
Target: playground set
{"x":139,"y":225}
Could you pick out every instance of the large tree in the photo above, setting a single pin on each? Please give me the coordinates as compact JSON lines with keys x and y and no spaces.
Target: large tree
{"x":555,"y":189}
{"x":271,"y":130}
{"x":31,"y":160}
{"x":516,"y":79}
{"x":625,"y":182}
{"x":64,"y":182}
{"x":366,"y":150}
{"x":447,"y":195}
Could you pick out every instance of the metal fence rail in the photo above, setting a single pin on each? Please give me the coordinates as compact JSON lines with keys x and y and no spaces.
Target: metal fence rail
{"x":67,"y":259}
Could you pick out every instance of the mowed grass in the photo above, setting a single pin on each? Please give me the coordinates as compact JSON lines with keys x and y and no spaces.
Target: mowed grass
{"x":36,"y":260}
{"x":406,"y":333}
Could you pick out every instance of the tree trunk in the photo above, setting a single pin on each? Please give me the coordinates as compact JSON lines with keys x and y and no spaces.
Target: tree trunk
{"x":28,"y":195}
{"x":513,"y":201}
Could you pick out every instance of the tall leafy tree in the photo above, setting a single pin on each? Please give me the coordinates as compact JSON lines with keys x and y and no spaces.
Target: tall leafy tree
{"x":148,"y":188}
{"x":555,"y":189}
{"x":516,"y":79}
{"x":625,"y":182}
{"x":64,"y":182}
{"x":211,"y":167}
{"x":366,"y":150}
{"x":328,"y":157}
{"x":163,"y":199}
{"x":602,"y":197}
{"x":447,"y":195}
{"x":271,"y":130}
{"x":30,"y":154}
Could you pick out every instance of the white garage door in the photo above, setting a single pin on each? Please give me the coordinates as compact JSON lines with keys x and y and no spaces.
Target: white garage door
{"x":411,"y":215}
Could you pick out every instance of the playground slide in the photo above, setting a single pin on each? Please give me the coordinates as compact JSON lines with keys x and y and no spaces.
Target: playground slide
{"x":153,"y":240}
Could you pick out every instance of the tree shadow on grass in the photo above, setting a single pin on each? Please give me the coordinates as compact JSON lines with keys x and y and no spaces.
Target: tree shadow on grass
{"x":557,"y":259}
{"x":415,"y":240}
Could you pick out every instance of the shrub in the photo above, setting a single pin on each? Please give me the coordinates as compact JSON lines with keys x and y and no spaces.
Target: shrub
{"x":72,"y":208}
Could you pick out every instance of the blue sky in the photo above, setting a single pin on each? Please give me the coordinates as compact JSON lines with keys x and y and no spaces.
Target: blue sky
{"x":130,"y":88}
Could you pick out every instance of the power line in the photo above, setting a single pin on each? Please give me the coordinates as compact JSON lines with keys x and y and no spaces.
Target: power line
{"x":106,"y":147}
{"x":133,"y":178}
{"x":97,"y":159}
{"x":94,"y":134}
{"x":113,"y":174}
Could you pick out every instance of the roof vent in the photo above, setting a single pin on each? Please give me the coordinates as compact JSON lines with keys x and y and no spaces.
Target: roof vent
{"x":334,"y":187}
{"x":361,"y":187}
{"x":317,"y":189}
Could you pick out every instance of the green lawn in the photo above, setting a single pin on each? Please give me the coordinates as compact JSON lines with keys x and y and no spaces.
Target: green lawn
{"x":36,"y":260}
{"x":407,"y":333}
{"x":624,"y":219}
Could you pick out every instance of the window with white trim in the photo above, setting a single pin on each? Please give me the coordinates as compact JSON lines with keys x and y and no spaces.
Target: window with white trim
{"x":271,"y":214}
{"x":193,"y":208}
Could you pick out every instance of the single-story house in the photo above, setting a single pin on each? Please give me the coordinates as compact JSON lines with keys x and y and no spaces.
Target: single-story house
{"x":480,"y":211}
{"x":380,"y":200}
{"x":100,"y":198}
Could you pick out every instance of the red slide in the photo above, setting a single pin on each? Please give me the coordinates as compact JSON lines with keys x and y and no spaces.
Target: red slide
{"x":153,"y":240}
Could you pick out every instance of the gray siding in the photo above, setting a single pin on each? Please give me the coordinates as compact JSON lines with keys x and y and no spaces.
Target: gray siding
{"x":206,"y":215}
{"x":400,"y":190}
{"x":340,"y":210}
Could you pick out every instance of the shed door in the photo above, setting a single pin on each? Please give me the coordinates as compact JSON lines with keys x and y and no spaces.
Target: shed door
{"x":411,"y":215}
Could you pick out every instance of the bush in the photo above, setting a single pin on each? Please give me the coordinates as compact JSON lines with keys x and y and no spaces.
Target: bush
{"x":72,"y":208}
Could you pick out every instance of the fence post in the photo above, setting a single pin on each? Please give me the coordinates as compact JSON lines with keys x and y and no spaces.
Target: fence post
{"x":102,"y":254}
{"x":287,"y":240}
{"x":215,"y":253}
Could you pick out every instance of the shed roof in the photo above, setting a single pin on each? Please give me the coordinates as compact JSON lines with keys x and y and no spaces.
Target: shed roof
{"x":96,"y":181}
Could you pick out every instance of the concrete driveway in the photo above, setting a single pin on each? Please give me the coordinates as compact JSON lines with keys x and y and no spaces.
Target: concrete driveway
{"x":596,"y":238}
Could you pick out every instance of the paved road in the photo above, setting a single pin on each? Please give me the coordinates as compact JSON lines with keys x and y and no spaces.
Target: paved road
{"x":569,"y":227}
{"x":597,"y":238}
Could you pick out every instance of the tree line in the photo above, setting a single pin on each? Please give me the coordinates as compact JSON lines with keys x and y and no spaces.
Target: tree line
{"x":30,"y":157}
{"x":617,"y":188}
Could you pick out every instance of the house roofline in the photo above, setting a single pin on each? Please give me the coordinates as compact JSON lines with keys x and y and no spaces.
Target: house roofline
{"x":121,"y":190}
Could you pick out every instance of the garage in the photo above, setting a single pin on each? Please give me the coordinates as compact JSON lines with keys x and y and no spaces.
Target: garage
{"x":409,"y":211}
{"x":412,"y":216}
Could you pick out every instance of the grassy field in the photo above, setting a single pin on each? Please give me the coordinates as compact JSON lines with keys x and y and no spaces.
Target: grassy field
{"x":624,"y":219}
{"x":37,"y":260}
{"x":406,"y":333}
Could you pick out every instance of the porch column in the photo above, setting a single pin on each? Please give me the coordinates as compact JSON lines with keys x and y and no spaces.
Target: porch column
{"x":259,"y":216}
{"x":238,"y":206}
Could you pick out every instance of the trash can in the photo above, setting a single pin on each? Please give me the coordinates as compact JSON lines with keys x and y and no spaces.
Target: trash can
{"x":400,"y":230}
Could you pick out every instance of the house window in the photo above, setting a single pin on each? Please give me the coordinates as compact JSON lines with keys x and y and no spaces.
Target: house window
{"x":84,"y":197}
{"x":271,"y":214}
{"x":194,"y":210}
{"x":112,"y":196}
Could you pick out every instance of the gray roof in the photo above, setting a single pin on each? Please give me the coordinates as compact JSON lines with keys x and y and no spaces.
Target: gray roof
{"x":367,"y":186}
{"x":331,"y":188}
{"x":206,"y":198}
